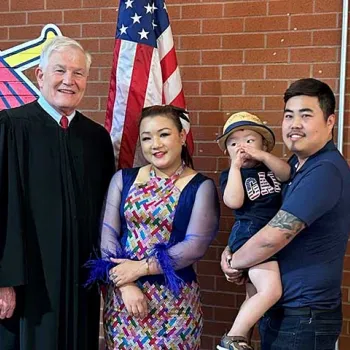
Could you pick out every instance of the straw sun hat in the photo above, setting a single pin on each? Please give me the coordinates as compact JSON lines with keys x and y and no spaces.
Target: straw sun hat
{"x":247,"y":121}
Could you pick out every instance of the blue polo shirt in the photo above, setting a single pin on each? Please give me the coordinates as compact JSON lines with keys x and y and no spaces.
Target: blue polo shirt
{"x":311,"y":265}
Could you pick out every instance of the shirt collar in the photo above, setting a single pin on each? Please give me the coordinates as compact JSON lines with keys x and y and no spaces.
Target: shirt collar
{"x":52,"y":112}
{"x":329,"y":146}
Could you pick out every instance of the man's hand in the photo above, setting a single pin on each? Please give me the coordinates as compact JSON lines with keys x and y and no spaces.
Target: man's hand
{"x":7,"y":302}
{"x":232,"y":275}
{"x":135,"y":301}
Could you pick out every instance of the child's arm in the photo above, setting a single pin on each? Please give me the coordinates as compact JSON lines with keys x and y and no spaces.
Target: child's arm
{"x":278,"y":166}
{"x":234,"y":191}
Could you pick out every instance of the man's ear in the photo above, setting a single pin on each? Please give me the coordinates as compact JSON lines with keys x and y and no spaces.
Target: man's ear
{"x":39,"y":76}
{"x":331,"y":121}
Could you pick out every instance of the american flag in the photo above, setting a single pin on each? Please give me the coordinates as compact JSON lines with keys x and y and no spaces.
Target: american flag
{"x":144,"y":73}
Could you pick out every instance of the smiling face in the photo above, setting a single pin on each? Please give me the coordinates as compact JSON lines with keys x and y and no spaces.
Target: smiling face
{"x":244,"y":137}
{"x":161,"y":143}
{"x":304,"y":128}
{"x":63,"y":80}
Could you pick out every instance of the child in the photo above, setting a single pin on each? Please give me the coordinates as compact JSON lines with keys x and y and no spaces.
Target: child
{"x":251,"y":187}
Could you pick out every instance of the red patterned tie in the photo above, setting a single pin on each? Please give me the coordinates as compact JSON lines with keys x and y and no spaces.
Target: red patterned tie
{"x":64,"y":122}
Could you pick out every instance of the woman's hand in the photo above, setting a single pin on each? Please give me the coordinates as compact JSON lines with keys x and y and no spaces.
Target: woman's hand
{"x":127,"y":271}
{"x":135,"y":301}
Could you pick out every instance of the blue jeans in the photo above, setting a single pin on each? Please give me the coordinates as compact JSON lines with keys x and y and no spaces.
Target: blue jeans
{"x":317,"y":331}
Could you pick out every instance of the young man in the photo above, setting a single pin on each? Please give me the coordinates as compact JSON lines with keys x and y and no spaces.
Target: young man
{"x":310,"y":231}
{"x":55,"y":167}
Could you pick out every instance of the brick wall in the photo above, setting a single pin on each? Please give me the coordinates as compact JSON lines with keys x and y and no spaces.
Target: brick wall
{"x":234,"y":55}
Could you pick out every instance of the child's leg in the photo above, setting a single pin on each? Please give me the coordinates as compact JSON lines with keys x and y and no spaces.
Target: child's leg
{"x":266,"y":279}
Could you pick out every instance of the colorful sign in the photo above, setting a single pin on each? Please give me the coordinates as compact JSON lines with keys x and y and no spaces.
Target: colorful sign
{"x":15,"y":88}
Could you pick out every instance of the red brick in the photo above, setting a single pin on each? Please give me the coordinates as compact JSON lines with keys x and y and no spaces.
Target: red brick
{"x":97,"y":89}
{"x":218,"y":57}
{"x":243,"y":41}
{"x":91,"y":103}
{"x":108,"y":15}
{"x":326,"y":70}
{"x":221,"y":88}
{"x":174,"y":12}
{"x":241,"y":103}
{"x":211,"y":253}
{"x":227,"y":25}
{"x":200,"y":73}
{"x":62,"y":4}
{"x":225,"y":299}
{"x":4,"y":33}
{"x":327,"y":37}
{"x":71,"y":30}
{"x":290,"y":7}
{"x":265,"y":87}
{"x":313,"y":54}
{"x":225,"y":314}
{"x":205,"y":133}
{"x":266,"y":24}
{"x":23,"y":5}
{"x":106,"y":44}
{"x":245,"y":9}
{"x":242,"y":72}
{"x":271,"y":117}
{"x":212,"y":118}
{"x":208,"y":149}
{"x":207,"y":342}
{"x":97,"y":3}
{"x":216,"y":328}
{"x":274,"y":103}
{"x":98,"y":30}
{"x":289,"y":39}
{"x":24,"y":32}
{"x":10,"y":19}
{"x":191,"y":88}
{"x":206,"y":282}
{"x":91,"y":45}
{"x":45,"y":17}
{"x":287,"y":71}
{"x":204,"y":163}
{"x":202,"y":11}
{"x":5,"y":5}
{"x":101,"y":60}
{"x":314,"y":21}
{"x":266,"y":56}
{"x":180,"y":27}
{"x":185,"y":58}
{"x":81,"y":16}
{"x":94,"y":74}
{"x":200,"y":42}
{"x":328,"y":6}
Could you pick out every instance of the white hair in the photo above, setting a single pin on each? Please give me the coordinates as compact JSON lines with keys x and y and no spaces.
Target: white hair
{"x":60,"y":43}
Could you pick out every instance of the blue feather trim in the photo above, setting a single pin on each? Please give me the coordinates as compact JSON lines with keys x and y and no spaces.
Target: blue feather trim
{"x":167,"y":263}
{"x":99,"y":267}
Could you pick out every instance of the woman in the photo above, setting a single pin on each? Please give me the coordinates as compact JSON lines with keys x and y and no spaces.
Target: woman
{"x":161,"y":218}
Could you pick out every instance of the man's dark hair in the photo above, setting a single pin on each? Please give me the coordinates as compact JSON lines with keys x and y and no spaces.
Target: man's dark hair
{"x":314,"y":88}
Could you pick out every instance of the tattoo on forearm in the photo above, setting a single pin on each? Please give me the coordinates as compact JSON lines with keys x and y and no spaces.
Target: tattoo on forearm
{"x":287,"y":222}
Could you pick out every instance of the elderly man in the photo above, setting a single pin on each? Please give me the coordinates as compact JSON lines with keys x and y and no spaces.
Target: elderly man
{"x":310,"y":231}
{"x":55,"y":167}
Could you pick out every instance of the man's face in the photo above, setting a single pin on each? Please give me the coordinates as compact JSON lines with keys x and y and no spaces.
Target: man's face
{"x":304,"y":128}
{"x":63,"y":81}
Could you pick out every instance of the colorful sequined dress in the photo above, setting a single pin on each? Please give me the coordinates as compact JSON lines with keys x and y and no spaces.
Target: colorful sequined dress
{"x":151,"y":213}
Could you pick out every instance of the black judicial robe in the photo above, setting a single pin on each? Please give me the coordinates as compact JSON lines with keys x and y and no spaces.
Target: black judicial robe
{"x":52,"y":185}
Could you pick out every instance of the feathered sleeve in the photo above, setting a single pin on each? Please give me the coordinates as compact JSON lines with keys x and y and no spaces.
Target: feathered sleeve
{"x":110,"y":233}
{"x":202,"y":228}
